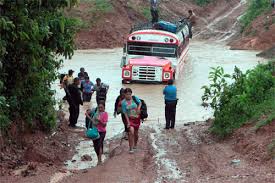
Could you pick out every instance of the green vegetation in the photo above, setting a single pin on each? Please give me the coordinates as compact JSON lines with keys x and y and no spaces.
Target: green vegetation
{"x":33,"y":34}
{"x":94,"y":10}
{"x":203,"y":2}
{"x":146,"y":12}
{"x":250,"y":96}
{"x":255,"y":9}
{"x":101,"y":6}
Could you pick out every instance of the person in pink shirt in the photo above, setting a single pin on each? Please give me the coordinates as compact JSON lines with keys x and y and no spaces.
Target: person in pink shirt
{"x":100,"y":119}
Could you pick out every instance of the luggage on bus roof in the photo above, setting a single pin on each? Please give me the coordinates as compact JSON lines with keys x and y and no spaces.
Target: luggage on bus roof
{"x":167,"y":26}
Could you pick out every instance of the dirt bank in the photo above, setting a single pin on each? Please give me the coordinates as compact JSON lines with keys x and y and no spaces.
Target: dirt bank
{"x":37,"y":154}
{"x":259,"y":36}
{"x":204,"y":159}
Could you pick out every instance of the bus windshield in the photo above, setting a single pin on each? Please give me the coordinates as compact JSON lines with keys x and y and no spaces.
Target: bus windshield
{"x":152,"y":49}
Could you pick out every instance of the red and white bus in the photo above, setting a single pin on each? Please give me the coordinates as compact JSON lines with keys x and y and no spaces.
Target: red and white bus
{"x":152,"y":55}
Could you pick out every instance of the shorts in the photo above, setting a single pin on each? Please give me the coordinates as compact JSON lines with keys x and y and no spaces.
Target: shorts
{"x":135,"y":123}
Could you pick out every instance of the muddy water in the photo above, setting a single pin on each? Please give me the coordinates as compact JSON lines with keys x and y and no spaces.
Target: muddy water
{"x":106,"y":65}
{"x":202,"y":56}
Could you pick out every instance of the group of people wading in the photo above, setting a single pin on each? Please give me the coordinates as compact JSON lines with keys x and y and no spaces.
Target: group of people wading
{"x":129,"y":106}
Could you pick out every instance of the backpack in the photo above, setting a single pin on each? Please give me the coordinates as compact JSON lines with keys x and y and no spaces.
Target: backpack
{"x":143,"y":109}
{"x":87,"y":120}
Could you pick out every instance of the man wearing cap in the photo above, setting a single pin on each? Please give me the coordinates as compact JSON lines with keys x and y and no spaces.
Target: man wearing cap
{"x":74,"y":100}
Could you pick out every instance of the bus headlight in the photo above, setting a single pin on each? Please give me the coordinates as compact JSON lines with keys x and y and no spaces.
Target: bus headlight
{"x":126,"y":73}
{"x":167,"y":75}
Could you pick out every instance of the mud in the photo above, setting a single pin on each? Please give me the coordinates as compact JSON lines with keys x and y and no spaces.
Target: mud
{"x":105,"y":64}
{"x":39,"y":154}
{"x":122,"y":166}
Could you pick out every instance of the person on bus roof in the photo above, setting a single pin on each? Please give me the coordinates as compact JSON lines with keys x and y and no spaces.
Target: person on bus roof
{"x":154,"y":11}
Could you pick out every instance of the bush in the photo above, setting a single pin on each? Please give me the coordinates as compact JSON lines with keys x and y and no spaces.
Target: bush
{"x":33,"y":34}
{"x":249,"y":96}
{"x":255,"y":9}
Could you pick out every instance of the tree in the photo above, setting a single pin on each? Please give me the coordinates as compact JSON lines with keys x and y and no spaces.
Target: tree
{"x":34,"y":34}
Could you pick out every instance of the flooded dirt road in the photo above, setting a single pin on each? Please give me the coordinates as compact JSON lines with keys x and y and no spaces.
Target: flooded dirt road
{"x":106,"y":65}
{"x":202,"y":56}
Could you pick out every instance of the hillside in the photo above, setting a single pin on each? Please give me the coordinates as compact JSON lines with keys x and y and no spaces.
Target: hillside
{"x":104,"y":24}
{"x":257,"y":29}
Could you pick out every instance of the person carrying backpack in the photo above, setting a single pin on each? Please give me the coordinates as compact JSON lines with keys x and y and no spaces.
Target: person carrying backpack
{"x":86,"y":87}
{"x":118,"y":110}
{"x":170,"y":96}
{"x":131,"y":110}
{"x":101,"y":91}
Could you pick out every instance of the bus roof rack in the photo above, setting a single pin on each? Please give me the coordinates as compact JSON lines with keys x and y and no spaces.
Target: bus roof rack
{"x":148,"y":25}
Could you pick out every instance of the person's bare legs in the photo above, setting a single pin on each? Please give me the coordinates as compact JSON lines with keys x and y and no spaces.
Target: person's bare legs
{"x":135,"y":138}
{"x":99,"y":156}
{"x":131,"y":138}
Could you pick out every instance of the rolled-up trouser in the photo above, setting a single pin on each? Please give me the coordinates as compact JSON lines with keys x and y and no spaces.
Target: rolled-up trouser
{"x":170,"y":113}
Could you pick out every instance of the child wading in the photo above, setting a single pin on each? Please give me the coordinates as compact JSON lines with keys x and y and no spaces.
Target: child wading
{"x":99,"y":118}
{"x":131,"y":109}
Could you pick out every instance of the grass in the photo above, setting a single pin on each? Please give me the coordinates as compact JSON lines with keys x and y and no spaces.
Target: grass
{"x":146,"y":12}
{"x":255,"y":9}
{"x":266,"y":109}
{"x":101,"y":6}
{"x":203,"y":2}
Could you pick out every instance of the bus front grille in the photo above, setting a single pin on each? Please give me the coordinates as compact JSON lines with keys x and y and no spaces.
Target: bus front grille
{"x":147,"y":73}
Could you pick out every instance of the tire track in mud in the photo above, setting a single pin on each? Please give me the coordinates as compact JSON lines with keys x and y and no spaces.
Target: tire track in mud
{"x":214,"y":28}
{"x":167,"y":168}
